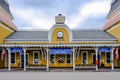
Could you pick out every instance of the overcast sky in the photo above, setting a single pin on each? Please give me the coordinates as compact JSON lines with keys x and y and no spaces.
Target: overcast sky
{"x":39,"y":14}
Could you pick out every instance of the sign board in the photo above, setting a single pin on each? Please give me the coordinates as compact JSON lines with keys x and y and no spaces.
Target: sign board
{"x":60,"y":51}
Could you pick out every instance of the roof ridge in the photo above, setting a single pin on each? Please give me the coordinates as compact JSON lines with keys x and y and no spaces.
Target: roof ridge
{"x":33,"y":30}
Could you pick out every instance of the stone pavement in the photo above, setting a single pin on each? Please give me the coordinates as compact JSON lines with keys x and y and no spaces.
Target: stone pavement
{"x":59,"y":70}
{"x":59,"y":75}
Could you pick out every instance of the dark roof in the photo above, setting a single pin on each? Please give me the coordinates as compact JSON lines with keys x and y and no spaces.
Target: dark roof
{"x":78,"y":35}
{"x":114,"y":6}
{"x":29,"y":35}
{"x":5,"y":6}
{"x":91,"y":35}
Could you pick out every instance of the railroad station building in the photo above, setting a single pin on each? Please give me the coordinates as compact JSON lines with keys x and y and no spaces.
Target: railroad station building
{"x":60,"y":47}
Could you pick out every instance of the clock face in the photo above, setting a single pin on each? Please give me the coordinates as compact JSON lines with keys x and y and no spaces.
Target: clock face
{"x":60,"y":34}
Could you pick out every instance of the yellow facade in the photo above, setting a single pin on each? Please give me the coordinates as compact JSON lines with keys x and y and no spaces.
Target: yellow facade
{"x":4,"y":32}
{"x":66,"y":36}
{"x":55,"y":40}
{"x":115,"y":31}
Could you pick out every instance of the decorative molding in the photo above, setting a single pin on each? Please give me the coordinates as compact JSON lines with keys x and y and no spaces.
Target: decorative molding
{"x":113,"y":13}
{"x":6,"y":27}
{"x":59,"y":45}
{"x":113,"y":27}
{"x":7,"y":13}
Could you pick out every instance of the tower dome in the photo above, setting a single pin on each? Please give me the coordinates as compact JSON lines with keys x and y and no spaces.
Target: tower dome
{"x":5,"y":15}
{"x":5,"y":6}
{"x":113,"y":16}
{"x":115,"y":7}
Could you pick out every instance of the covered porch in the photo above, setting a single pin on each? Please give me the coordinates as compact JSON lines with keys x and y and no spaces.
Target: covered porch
{"x":77,"y":59}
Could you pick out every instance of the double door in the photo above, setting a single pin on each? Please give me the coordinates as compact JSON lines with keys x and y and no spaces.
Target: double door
{"x":60,"y":59}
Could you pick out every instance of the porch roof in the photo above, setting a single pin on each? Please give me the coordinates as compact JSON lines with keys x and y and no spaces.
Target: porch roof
{"x":60,"y":45}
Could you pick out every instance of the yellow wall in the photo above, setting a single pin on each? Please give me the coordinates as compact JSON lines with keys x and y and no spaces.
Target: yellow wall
{"x":3,"y":33}
{"x":115,"y":31}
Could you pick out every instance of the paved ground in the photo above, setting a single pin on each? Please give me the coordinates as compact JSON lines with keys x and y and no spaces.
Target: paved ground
{"x":59,"y":75}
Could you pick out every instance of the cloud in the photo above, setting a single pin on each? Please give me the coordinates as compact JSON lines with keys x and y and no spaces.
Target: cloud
{"x":33,"y":20}
{"x":95,"y":9}
{"x":39,"y":14}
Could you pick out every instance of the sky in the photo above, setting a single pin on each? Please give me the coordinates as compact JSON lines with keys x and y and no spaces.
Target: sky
{"x":40,"y":14}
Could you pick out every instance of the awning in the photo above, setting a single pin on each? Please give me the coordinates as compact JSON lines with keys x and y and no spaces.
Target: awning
{"x":60,"y":51}
{"x":101,"y":49}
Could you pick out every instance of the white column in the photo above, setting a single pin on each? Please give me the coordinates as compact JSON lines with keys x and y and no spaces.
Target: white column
{"x":96,"y":51}
{"x":47,"y":66}
{"x":24,"y":51}
{"x":73,"y":59}
{"x":9,"y":59}
{"x":112,"y":58}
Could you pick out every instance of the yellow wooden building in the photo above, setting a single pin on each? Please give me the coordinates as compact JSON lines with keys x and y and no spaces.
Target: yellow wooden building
{"x":59,"y":47}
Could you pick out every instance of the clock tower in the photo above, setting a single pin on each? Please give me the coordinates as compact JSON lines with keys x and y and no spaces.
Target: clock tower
{"x":60,"y":32}
{"x":60,"y":19}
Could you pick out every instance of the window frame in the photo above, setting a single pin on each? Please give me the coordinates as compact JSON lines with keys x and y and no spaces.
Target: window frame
{"x":106,"y":57}
{"x":66,"y":59}
{"x":11,"y":58}
{"x":54,"y":59}
{"x":38,"y":57}
{"x":86,"y":56}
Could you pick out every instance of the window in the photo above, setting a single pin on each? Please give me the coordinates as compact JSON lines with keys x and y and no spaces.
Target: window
{"x":108,"y":57}
{"x":52,"y":58}
{"x":36,"y":58}
{"x":84,"y":57}
{"x":68,"y":60}
{"x":12,"y":58}
{"x":93,"y":58}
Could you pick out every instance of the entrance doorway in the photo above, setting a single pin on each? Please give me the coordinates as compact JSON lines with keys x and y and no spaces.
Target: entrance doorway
{"x":22,"y":60}
{"x":94,"y":59}
{"x":60,"y":58}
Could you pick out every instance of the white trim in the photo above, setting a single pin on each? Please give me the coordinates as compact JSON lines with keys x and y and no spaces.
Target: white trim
{"x":114,"y":13}
{"x":41,"y":50}
{"x":38,"y":57}
{"x":15,"y":57}
{"x":86,"y":56}
{"x":7,"y":13}
{"x":59,"y":45}
{"x":78,"y":56}
{"x":6,"y":27}
{"x":6,"y":60}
